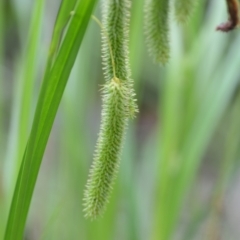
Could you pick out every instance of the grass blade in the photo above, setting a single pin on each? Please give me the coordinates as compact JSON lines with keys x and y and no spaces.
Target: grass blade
{"x":48,"y":102}
{"x":63,"y":17}
{"x":187,"y":127}
{"x":24,"y":95}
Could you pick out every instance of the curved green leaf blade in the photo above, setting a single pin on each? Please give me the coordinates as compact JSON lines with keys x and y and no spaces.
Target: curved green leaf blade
{"x":48,"y":102}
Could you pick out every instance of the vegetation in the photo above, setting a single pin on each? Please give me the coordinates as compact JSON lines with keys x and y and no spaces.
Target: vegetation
{"x":185,"y":130}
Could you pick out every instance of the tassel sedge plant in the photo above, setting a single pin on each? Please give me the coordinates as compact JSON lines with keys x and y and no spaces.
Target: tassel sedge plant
{"x":118,"y":105}
{"x":157,"y":29}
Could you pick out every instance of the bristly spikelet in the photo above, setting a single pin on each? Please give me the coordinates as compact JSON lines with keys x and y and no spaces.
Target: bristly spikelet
{"x":118,"y":106}
{"x":157,"y":29}
{"x":107,"y":155}
{"x":116,"y":20}
{"x":184,"y":9}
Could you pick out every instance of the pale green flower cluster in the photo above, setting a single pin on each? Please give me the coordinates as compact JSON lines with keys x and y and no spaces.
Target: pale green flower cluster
{"x":157,"y":29}
{"x":157,"y":25}
{"x":184,"y":9}
{"x":118,"y":106}
{"x":119,"y":102}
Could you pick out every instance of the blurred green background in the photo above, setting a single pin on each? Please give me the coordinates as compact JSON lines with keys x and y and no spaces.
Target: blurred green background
{"x":179,"y":172}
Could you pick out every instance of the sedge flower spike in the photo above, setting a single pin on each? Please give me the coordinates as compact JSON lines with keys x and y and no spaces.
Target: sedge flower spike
{"x":157,"y":29}
{"x":118,"y":106}
{"x":184,"y":9}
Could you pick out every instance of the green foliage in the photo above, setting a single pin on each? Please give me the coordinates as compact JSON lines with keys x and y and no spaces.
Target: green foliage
{"x":49,"y":99}
{"x":188,"y":125}
{"x":25,"y":92}
{"x":157,"y":29}
{"x":194,"y":95}
{"x":64,"y":15}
